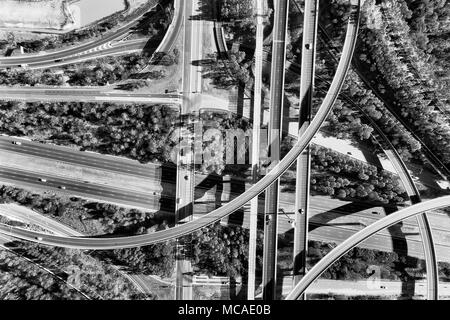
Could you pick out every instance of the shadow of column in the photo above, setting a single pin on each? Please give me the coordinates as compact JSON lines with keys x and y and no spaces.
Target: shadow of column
{"x":400,"y":246}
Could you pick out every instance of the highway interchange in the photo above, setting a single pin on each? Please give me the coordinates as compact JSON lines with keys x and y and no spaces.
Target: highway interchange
{"x":256,"y":189}
{"x":227,"y":209}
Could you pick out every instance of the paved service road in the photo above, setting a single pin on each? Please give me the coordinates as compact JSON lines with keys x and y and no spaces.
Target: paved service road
{"x":38,"y":94}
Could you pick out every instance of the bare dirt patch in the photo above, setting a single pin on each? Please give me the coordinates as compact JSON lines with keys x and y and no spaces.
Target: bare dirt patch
{"x":49,"y":14}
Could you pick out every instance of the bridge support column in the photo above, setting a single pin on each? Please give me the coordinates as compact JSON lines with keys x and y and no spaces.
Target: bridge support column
{"x":276,"y":112}
{"x":256,"y":143}
{"x":310,"y":23}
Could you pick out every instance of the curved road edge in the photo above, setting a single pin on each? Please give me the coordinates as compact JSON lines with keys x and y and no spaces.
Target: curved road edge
{"x":362,"y":235}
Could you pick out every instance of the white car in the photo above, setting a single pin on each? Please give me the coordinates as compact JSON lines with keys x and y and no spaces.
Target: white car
{"x":42,"y":180}
{"x":17,"y":143}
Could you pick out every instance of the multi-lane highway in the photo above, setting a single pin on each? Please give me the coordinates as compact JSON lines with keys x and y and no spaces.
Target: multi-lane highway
{"x":256,"y":135}
{"x":106,"y":50}
{"x":16,"y":212}
{"x":406,"y":178}
{"x":333,"y":220}
{"x":93,"y":94}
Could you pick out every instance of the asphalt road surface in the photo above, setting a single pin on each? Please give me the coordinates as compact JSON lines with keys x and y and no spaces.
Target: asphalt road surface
{"x":37,"y":94}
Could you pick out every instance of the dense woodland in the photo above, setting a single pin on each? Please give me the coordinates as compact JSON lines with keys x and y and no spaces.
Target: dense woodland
{"x":22,"y":280}
{"x":139,"y":132}
{"x":235,"y":9}
{"x":343,"y":177}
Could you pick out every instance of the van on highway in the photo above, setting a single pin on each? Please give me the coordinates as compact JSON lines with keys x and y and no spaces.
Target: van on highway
{"x":17,"y":143}
{"x":42,"y":180}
